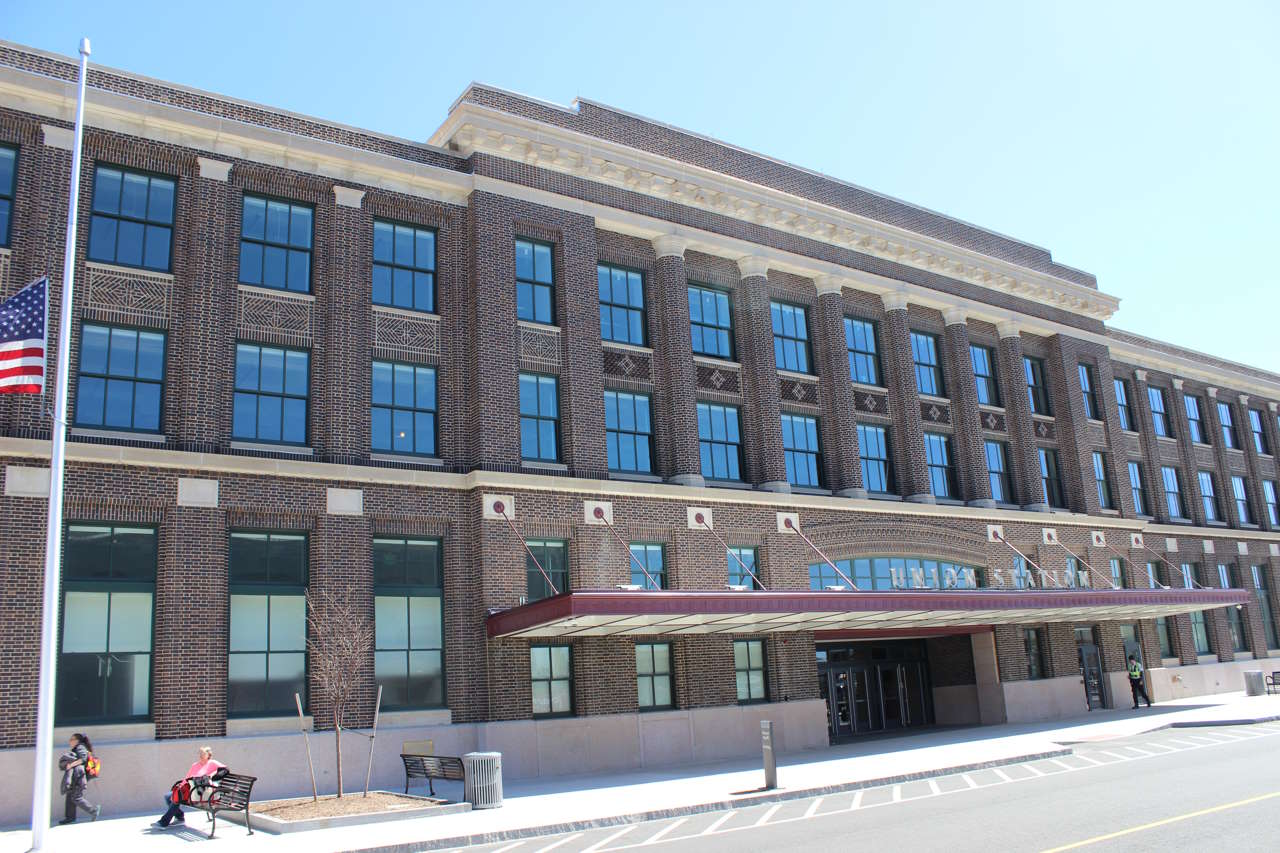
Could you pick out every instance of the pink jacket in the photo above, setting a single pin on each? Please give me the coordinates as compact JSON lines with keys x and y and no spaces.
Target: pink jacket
{"x":204,"y":768}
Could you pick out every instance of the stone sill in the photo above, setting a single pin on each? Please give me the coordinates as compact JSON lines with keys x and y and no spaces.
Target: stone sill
{"x":118,"y":435}
{"x":878,"y":388}
{"x":799,"y":377}
{"x":241,"y":726}
{"x":1170,"y":439}
{"x":1234,"y":450}
{"x":989,"y":408}
{"x":408,"y":458}
{"x":809,"y":490}
{"x":1114,"y":512}
{"x":634,"y":478}
{"x":272,"y":291}
{"x":116,"y":269}
{"x":107,"y":732}
{"x":619,"y":345}
{"x":541,"y":327}
{"x":405,"y":312}
{"x":729,"y":484}
{"x":290,"y":449}
{"x":1244,"y":655}
{"x":1099,"y":421}
{"x":712,"y":361}
{"x":1046,"y":418}
{"x":423,"y":717}
{"x":883,"y":496}
{"x":544,"y":466}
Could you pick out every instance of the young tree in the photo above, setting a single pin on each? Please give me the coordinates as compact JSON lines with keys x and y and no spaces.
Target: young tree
{"x":341,"y":636}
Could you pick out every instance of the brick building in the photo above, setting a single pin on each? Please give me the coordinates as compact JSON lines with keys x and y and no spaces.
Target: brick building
{"x":498,"y":387}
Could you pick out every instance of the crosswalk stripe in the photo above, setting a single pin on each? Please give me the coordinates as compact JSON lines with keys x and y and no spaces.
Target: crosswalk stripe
{"x":1035,"y":770}
{"x":857,"y":800}
{"x":508,"y":847}
{"x":933,"y":786}
{"x":764,"y":818}
{"x":897,"y":793}
{"x":1139,"y":750}
{"x":662,"y":832}
{"x":1182,"y":743}
{"x":1005,"y":776}
{"x":564,"y":840}
{"x":1064,"y":765}
{"x":1092,"y":761}
{"x":1115,"y":755}
{"x":719,"y":822}
{"x":609,"y":840}
{"x":968,"y":781}
{"x":813,"y":807}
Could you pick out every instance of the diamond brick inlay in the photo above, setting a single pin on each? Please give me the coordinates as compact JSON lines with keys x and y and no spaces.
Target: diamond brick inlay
{"x":540,"y":347}
{"x":725,"y":380}
{"x":935,"y":413}
{"x":277,"y":318}
{"x":128,"y":296}
{"x":1045,"y":430}
{"x":994,"y":422}
{"x":628,"y":364}
{"x":875,"y":403}
{"x":415,"y":338}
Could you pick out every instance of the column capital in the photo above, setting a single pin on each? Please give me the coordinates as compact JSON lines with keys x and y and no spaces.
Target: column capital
{"x":1177,"y":384}
{"x":1140,"y":375}
{"x":670,"y":245}
{"x":955,"y":316}
{"x":1273,"y":406}
{"x":894,"y":300}
{"x":1244,"y":399}
{"x":1211,"y":392}
{"x":830,"y":284}
{"x":753,"y":265}
{"x":347,"y":196}
{"x":214,"y":170}
{"x":1009,"y":329}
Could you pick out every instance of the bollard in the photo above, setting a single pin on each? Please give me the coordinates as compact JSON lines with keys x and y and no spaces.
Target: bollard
{"x":770,"y":763}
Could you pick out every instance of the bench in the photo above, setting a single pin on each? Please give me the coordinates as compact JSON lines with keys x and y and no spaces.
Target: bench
{"x":233,"y":795}
{"x":1273,"y":683}
{"x":431,"y":767}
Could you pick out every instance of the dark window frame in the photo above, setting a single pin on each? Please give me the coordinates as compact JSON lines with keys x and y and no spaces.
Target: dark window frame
{"x":414,"y":411}
{"x":1138,"y":488}
{"x":1089,"y":391}
{"x":534,"y":283}
{"x":1051,"y":477}
{"x":409,"y":591}
{"x":792,"y":455}
{"x":539,"y":418}
{"x":1244,"y":502}
{"x":145,"y":222}
{"x":986,"y":384}
{"x":926,"y":345}
{"x":1174,"y":494}
{"x":1102,"y":479}
{"x":763,"y":669}
{"x":1256,"y":427}
{"x":1127,"y":422}
{"x":1227,"y":421}
{"x":283,"y":395}
{"x":998,"y":476}
{"x":1037,"y":386}
{"x":627,"y":308}
{"x":1195,"y":419}
{"x":799,"y":344}
{"x":8,"y":196}
{"x":1271,"y":500}
{"x":413,"y":269}
{"x":891,"y":487}
{"x":709,"y":443}
{"x":1209,"y":496}
{"x":646,"y":550}
{"x":107,"y":377}
{"x":748,"y":554}
{"x":947,"y":467}
{"x":653,"y":676}
{"x":1033,"y":640}
{"x":864,"y":364}
{"x":614,"y":435}
{"x":551,"y":679}
{"x":288,"y":246}
{"x":1271,"y":637}
{"x":698,"y":328}
{"x":1159,"y":406}
{"x":559,"y":574}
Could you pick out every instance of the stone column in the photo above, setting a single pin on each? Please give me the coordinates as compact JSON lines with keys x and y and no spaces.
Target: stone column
{"x":348,"y":324}
{"x":1027,"y":485}
{"x":839,"y":434}
{"x":582,"y":445}
{"x":676,"y":391}
{"x":766,"y":462}
{"x":971,"y":457}
{"x":904,"y":401}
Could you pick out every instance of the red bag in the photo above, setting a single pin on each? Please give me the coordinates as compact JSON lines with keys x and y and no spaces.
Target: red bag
{"x":181,"y":793}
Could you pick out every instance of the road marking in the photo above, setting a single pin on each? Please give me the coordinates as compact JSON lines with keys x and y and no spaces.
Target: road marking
{"x":764,"y":818}
{"x":857,"y":799}
{"x":1092,"y":761}
{"x":564,"y":840}
{"x":1033,"y":769}
{"x":968,"y":781}
{"x":1183,"y":743}
{"x":933,"y":786}
{"x":720,"y":821}
{"x":1139,"y":751}
{"x":897,"y":793}
{"x":661,"y":832}
{"x":610,"y":839}
{"x":1099,"y":838}
{"x":508,"y":847}
{"x":1115,"y":755}
{"x":1001,"y":774}
{"x":813,"y":807}
{"x":1064,"y":765}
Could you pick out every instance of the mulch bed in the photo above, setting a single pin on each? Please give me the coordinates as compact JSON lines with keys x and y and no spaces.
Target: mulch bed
{"x":349,"y":804}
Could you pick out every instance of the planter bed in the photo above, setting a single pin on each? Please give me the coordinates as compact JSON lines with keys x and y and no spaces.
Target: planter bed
{"x":300,"y":814}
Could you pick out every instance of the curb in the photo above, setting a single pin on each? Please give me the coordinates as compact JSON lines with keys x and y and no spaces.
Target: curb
{"x":1197,"y":724}
{"x":698,"y":808}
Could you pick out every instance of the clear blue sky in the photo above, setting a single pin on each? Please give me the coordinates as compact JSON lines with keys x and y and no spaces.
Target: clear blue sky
{"x":1136,"y":140}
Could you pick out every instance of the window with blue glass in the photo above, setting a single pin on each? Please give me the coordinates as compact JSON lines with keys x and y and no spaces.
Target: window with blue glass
{"x":8,"y":186}
{"x":132,"y":221}
{"x":403,"y":416}
{"x":1159,"y":416}
{"x":743,"y":569}
{"x":1122,"y":404}
{"x":648,"y":557}
{"x":1037,"y":386}
{"x":1244,"y":506}
{"x":1051,"y":477}
{"x":997,"y":454}
{"x":408,"y":657}
{"x":887,"y":573}
{"x":1195,"y":423}
{"x":1227,"y":421}
{"x":800,"y":450}
{"x":535,"y":282}
{"x":1209,"y":497}
{"x":1089,"y":392}
{"x":1137,"y":488}
{"x":710,"y":321}
{"x":1260,"y":443}
{"x":404,"y":266}
{"x":719,"y":442}
{"x":1269,"y":498}
{"x":1021,"y":574}
{"x":790,"y":337}
{"x":1172,"y":491}
{"x":877,"y":465}
{"x":275,"y":244}
{"x":628,"y":432}
{"x":864,"y":358}
{"x":121,"y":380}
{"x":539,"y":418}
{"x":924,"y":353}
{"x":272,"y":387}
{"x":942,"y":474}
{"x":267,"y":662}
{"x":984,"y":375}
{"x":1102,"y":480}
{"x":621,"y":305}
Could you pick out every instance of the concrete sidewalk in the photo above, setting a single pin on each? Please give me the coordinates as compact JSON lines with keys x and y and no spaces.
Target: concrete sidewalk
{"x":543,"y":806}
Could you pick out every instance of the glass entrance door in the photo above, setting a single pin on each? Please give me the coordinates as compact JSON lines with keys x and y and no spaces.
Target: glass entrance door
{"x":876,"y":687}
{"x":891,"y":703}
{"x":1091,"y":671}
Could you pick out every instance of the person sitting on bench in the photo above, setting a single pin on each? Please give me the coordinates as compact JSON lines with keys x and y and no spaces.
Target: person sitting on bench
{"x":204,"y":766}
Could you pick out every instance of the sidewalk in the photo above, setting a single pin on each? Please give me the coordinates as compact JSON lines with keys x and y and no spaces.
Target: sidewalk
{"x":541,"y":806}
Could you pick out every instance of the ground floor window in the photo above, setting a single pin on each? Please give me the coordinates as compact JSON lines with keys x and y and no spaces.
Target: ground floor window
{"x":653,"y":676}
{"x":408,"y":657}
{"x":1199,"y":633}
{"x":1238,"y":643}
{"x":1034,"y":640}
{"x":1264,"y":606}
{"x":1166,"y":641}
{"x":748,"y":666}
{"x":267,"y":661}
{"x":551,"y":677}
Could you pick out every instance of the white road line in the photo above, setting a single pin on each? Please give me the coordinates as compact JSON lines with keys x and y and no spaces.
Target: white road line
{"x":1162,"y":746}
{"x":968,"y":781}
{"x":897,"y":793}
{"x":857,"y":800}
{"x":609,"y":840}
{"x":1035,"y":770}
{"x":1139,"y":750}
{"x":1182,"y":743}
{"x":1117,"y":756}
{"x":1064,"y":765}
{"x":1092,"y":761}
{"x":564,"y":840}
{"x":657,"y":836}
{"x":1001,"y":774}
{"x":719,"y":822}
{"x":813,"y":807}
{"x":508,"y":847}
{"x":764,"y":818}
{"x":933,"y":787}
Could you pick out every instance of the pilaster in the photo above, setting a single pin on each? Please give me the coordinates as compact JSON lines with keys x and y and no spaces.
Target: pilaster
{"x":676,"y":392}
{"x":765,"y":460}
{"x":839,"y":418}
{"x":1027,"y":483}
{"x":971,"y":463}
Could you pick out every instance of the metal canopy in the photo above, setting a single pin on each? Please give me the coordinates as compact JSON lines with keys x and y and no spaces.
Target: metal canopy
{"x":602,"y":613}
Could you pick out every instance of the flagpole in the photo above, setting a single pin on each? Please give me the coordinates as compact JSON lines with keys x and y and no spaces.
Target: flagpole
{"x":43,"y":776}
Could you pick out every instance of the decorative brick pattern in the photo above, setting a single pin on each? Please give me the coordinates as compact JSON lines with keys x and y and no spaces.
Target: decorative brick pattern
{"x":402,"y":337}
{"x":274,"y":318}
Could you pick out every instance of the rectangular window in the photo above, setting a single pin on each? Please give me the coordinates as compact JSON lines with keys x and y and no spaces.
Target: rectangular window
{"x":408,"y":658}
{"x":710,"y":322}
{"x":1089,"y":392}
{"x":1071,"y":577}
{"x":719,"y":442}
{"x":984,"y":375}
{"x":539,"y":418}
{"x":801,"y":450}
{"x":1244,"y":506}
{"x":924,"y":353}
{"x":1229,"y":439}
{"x":1269,"y":498}
{"x":653,"y":676}
{"x":1200,"y":633}
{"x":1195,"y":422}
{"x":1153,"y":578}
{"x":628,"y":432}
{"x":790,"y":337}
{"x":1190,"y":571}
{"x":1264,"y":607}
{"x":108,"y":595}
{"x":864,"y":359}
{"x":267,"y":661}
{"x":1172,"y":491}
{"x":1122,"y":403}
{"x":404,"y":266}
{"x":621,"y":305}
{"x":535,"y":283}
{"x":403,"y":416}
{"x":1051,"y":477}
{"x":942,"y":475}
{"x":272,"y":387}
{"x":1117,"y":572}
{"x":121,"y":380}
{"x":1159,"y":418}
{"x":1037,"y":389}
{"x":738,"y":576}
{"x":551,"y":556}
{"x":1259,"y":433}
{"x":132,"y":221}
{"x":1209,"y":497}
{"x":651,"y":557}
{"x":1021,"y":574}
{"x":1102,"y":480}
{"x":748,"y":666}
{"x":877,"y":466}
{"x":551,"y":680}
{"x":275,"y":244}
{"x":1166,"y":640}
{"x":998,"y":471}
{"x":1034,"y":640}
{"x":8,"y":186}
{"x":1137,"y":488}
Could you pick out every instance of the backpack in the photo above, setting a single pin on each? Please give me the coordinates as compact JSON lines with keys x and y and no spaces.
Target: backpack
{"x":92,"y":767}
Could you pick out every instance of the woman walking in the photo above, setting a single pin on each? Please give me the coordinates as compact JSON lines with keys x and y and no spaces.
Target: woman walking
{"x":72,"y":764}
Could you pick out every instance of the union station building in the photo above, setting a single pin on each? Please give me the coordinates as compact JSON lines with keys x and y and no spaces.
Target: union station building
{"x":620,"y":438}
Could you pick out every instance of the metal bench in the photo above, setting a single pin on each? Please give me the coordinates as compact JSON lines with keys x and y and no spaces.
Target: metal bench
{"x":431,"y":767}
{"x":233,"y":792}
{"x":1273,"y":683}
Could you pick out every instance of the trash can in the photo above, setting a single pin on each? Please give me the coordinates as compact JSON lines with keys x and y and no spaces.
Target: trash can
{"x":1253,"y":683}
{"x":482,"y":785}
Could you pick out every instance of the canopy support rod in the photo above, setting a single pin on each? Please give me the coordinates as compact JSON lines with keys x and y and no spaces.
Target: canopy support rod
{"x":1123,"y":557}
{"x":599,"y":515}
{"x":1091,"y":569}
{"x":1028,"y":560}
{"x":501,"y":510}
{"x":794,"y":528}
{"x":702,"y":519}
{"x":1195,"y":584}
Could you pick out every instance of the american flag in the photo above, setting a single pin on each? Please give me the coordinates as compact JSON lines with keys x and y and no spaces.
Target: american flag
{"x":23,"y":327}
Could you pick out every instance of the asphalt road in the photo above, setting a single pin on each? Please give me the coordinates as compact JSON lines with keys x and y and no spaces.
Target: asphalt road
{"x":1176,"y":789}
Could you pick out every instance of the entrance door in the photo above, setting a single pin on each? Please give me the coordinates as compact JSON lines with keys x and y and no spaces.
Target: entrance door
{"x":848,"y":710}
{"x":1129,"y":633}
{"x":889,"y":677}
{"x":911,"y":677}
{"x":1091,"y":671}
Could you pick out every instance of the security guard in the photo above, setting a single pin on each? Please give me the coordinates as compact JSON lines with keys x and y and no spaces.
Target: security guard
{"x":1135,"y":682}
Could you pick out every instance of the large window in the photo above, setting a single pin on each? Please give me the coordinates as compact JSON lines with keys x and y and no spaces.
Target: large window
{"x":1137,"y":488}
{"x":1021,"y":574}
{"x":801,"y":451}
{"x":1102,"y":480}
{"x":404,"y":266}
{"x":1153,"y":579}
{"x":1122,"y":403}
{"x":551,"y":556}
{"x":275,"y":244}
{"x":748,"y":667}
{"x":719,"y":442}
{"x":1159,"y":417}
{"x":621,"y":305}
{"x":1227,"y":420}
{"x":984,"y":375}
{"x":648,"y":557}
{"x":864,"y":357}
{"x":539,"y":418}
{"x":1089,"y":392}
{"x":1117,"y":572}
{"x":408,"y":658}
{"x":1226,"y":580}
{"x":1200,"y":633}
{"x":997,"y":454}
{"x":108,"y":592}
{"x":653,"y":676}
{"x":888,"y":573}
{"x":1209,"y":497}
{"x":790,"y":337}
{"x":1165,"y":637}
{"x":1195,"y":421}
{"x":877,"y":465}
{"x":1051,"y":477}
{"x":1037,"y":389}
{"x":272,"y":387}
{"x":942,"y":475}
{"x":8,"y":184}
{"x":1264,"y":607}
{"x":132,"y":222}
{"x":535,"y":282}
{"x":1260,"y":443}
{"x":711,"y":322}
{"x":268,"y":644}
{"x":551,"y":679}
{"x":738,"y":557}
{"x":1172,"y":491}
{"x":403,"y":417}
{"x":1034,"y":641}
{"x":121,"y":379}
{"x":1244,"y":506}
{"x":628,"y":432}
{"x":924,"y":354}
{"x":1269,"y":498}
